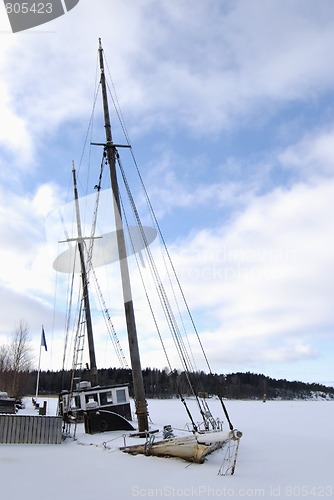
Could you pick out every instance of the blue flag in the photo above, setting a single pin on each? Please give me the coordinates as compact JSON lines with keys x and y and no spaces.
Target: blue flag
{"x":43,"y":340}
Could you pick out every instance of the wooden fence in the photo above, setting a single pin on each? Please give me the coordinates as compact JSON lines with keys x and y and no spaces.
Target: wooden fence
{"x":30,"y":429}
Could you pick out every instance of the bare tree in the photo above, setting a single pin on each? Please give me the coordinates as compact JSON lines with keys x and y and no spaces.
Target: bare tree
{"x":4,"y":368}
{"x":4,"y":358}
{"x":20,"y":358}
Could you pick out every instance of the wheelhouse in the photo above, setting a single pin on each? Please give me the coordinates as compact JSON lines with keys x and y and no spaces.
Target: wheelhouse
{"x":114,"y":398}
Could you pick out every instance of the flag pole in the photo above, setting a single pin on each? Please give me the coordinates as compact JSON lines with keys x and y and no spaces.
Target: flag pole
{"x":41,"y":344}
{"x":39,"y":369}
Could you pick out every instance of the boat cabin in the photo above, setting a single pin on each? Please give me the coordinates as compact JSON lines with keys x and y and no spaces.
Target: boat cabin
{"x":112,"y":398}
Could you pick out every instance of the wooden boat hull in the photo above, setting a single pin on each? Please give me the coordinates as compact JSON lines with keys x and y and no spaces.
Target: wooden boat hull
{"x":190,"y":448}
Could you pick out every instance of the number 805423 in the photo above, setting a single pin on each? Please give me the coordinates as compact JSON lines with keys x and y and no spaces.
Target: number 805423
{"x":25,"y":8}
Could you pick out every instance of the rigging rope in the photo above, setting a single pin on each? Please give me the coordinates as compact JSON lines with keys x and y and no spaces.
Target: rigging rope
{"x":166,"y":306}
{"x":90,"y":123}
{"x":189,"y":366}
{"x":148,"y":201}
{"x":169,"y":315}
{"x":68,"y":312}
{"x":145,"y":288}
{"x":110,"y":327}
{"x":158,"y":282}
{"x":78,"y":350}
{"x":80,"y":336}
{"x":117,"y":106}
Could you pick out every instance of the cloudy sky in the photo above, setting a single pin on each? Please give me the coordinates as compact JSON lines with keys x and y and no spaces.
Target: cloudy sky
{"x":229,"y":108}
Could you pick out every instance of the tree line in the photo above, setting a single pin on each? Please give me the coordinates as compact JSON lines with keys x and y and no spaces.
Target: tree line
{"x":163,"y":384}
{"x":18,"y":379}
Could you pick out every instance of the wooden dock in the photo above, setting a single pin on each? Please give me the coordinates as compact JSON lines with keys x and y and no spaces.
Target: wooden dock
{"x":30,"y":429}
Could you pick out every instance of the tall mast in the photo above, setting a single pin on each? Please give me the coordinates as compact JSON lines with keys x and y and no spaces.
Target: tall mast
{"x":93,"y":368}
{"x":110,"y":148}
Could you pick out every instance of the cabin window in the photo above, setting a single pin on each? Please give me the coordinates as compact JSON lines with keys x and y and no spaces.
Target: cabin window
{"x":121,"y":396}
{"x":91,"y":397}
{"x":105,"y":398}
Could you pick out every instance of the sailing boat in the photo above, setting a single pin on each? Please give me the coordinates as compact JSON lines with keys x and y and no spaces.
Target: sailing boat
{"x":201,"y":442}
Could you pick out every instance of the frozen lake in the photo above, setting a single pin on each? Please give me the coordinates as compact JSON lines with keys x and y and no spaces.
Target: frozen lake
{"x":286,"y":451}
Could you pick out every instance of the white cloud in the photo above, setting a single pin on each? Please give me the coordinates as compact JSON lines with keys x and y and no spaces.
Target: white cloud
{"x":314,"y":154}
{"x":27,"y":278}
{"x":188,"y":69}
{"x":265,"y":277}
{"x":202,"y":70}
{"x":259,"y":287}
{"x":13,"y":131}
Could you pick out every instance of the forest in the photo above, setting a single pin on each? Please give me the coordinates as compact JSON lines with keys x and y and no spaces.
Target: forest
{"x":161,"y":384}
{"x":18,"y":379}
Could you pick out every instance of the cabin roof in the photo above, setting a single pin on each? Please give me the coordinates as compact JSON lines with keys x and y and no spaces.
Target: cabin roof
{"x":97,"y":388}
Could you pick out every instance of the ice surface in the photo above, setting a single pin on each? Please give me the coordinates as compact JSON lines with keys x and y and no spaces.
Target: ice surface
{"x":286,"y":451}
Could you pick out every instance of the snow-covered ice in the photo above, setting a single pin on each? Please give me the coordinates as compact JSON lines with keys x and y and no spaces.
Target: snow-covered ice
{"x":286,"y":451}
